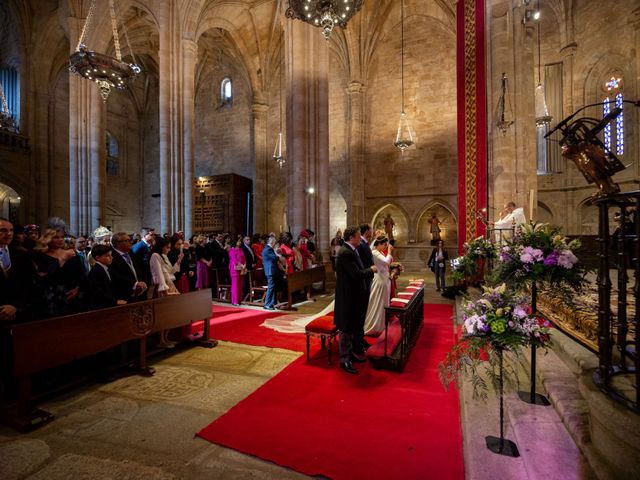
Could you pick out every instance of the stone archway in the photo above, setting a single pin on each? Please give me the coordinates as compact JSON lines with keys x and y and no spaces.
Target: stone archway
{"x":400,"y":218}
{"x":10,"y":203}
{"x":448,"y":224}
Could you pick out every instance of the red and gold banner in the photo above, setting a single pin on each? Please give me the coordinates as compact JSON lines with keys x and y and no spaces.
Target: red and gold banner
{"x":472,"y":126}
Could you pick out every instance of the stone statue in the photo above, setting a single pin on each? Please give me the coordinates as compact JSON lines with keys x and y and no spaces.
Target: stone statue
{"x":388,"y":227}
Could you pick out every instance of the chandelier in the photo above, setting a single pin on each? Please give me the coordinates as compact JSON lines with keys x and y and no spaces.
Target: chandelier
{"x":324,"y":14}
{"x":404,"y":136}
{"x":108,"y":72}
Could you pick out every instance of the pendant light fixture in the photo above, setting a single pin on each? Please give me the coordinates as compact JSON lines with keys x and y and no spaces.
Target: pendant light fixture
{"x":505,"y":112}
{"x":278,"y":154}
{"x":543,"y":119}
{"x":108,"y":72}
{"x":404,"y":136}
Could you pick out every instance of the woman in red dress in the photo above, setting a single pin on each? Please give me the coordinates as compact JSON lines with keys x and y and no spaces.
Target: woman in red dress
{"x":257,"y":245}
{"x":286,"y":251}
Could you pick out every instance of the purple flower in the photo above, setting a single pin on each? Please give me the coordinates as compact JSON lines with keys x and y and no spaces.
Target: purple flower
{"x":567,"y":259}
{"x":531,"y":255}
{"x":552,"y":259}
{"x":519,"y":313}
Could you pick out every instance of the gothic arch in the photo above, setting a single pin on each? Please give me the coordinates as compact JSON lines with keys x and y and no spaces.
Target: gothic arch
{"x":607,"y":62}
{"x":446,"y":214}
{"x":545,"y":213}
{"x":588,"y":217}
{"x":402,"y":231}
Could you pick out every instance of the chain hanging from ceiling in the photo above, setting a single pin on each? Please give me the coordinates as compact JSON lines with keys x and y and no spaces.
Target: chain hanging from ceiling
{"x":108,"y":72}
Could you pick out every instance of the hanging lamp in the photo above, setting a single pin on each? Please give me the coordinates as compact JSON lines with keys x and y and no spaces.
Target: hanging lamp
{"x":324,"y":14}
{"x":505,"y":112}
{"x":108,"y":72}
{"x":404,"y":136}
{"x":543,"y":119}
{"x":278,"y":154}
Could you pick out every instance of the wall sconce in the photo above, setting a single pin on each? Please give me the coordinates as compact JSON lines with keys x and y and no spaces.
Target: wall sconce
{"x":531,"y":16}
{"x":310,"y":190}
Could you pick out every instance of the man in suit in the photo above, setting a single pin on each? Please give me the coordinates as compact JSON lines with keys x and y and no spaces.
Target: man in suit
{"x":250,"y":259}
{"x":351,"y":298}
{"x":125,"y":271}
{"x":272,"y":272}
{"x":364,"y":250}
{"x":99,"y":286}
{"x":17,"y":276}
{"x":142,"y":250}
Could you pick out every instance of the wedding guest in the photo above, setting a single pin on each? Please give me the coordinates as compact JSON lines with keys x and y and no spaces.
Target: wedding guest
{"x":203,"y":263}
{"x":336,"y":243}
{"x":251,"y":263}
{"x":163,"y":275}
{"x":19,"y":238}
{"x":32,"y":233}
{"x":80,"y":248}
{"x":298,"y":262}
{"x":183,"y":274}
{"x":59,"y":275}
{"x":257,"y":245}
{"x":272,"y":271}
{"x":286,"y":251}
{"x":99,"y":284}
{"x":125,"y":270}
{"x":142,"y":250}
{"x":17,"y":275}
{"x":303,"y":248}
{"x":380,"y":287}
{"x":351,"y":298}
{"x":311,"y":246}
{"x":438,"y":264}
{"x":237,"y":270}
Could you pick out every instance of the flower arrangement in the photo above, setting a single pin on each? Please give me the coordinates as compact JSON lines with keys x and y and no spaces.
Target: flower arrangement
{"x":395,"y":269}
{"x":498,"y":321}
{"x":539,"y":253}
{"x":480,"y":249}
{"x":462,"y":268}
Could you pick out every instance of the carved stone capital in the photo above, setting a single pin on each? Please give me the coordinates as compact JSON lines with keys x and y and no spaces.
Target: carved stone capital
{"x":259,"y":109}
{"x":569,"y":49}
{"x":355,"y":87}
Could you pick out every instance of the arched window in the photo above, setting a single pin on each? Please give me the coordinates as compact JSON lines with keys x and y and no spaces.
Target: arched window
{"x":10,"y":81}
{"x":113,"y":155}
{"x":614,"y":131}
{"x":226,"y":92}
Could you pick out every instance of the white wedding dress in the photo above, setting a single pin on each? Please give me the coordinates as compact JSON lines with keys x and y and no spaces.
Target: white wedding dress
{"x":380,"y":293}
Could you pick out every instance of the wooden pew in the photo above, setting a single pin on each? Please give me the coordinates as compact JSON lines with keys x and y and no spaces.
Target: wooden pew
{"x":303,"y":280}
{"x":44,"y":344}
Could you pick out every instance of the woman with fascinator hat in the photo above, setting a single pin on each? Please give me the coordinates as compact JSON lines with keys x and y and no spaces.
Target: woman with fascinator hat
{"x":380,"y":287}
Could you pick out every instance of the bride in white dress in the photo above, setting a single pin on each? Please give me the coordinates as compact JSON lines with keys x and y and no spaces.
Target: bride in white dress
{"x":380,"y":287}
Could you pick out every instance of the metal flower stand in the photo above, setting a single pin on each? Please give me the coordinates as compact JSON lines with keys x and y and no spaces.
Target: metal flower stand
{"x":501,"y":445}
{"x":531,"y":396}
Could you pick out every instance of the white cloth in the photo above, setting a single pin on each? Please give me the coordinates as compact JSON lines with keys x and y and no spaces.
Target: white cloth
{"x":162,"y":272}
{"x":380,"y":294}
{"x":504,"y":227}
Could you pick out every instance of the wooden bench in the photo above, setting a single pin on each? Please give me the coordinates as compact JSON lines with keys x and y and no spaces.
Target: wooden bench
{"x":304,"y":280}
{"x":257,"y":287}
{"x":44,"y":344}
{"x":223,"y":284}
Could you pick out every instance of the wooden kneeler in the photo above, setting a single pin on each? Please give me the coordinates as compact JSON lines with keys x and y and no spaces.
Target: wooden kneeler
{"x":324,"y":328}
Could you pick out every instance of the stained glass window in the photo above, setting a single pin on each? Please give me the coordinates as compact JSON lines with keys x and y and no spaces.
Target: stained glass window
{"x":613,"y":134}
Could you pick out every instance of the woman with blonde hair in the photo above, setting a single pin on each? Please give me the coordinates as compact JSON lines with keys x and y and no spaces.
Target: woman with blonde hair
{"x":58,"y":275}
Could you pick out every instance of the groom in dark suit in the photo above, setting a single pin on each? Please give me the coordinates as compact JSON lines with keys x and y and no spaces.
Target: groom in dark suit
{"x":364,"y":250}
{"x":351,"y":298}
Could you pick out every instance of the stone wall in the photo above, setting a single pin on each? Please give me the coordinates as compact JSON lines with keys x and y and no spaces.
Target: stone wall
{"x":406,"y":184}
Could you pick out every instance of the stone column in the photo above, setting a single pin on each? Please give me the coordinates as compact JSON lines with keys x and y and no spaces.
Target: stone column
{"x":189,"y":58}
{"x":261,"y":150}
{"x":87,"y":154}
{"x":568,"y":53}
{"x":167,"y":78}
{"x":307,"y":63}
{"x":356,"y":204}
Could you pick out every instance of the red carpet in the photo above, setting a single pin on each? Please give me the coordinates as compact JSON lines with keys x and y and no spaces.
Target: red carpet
{"x":241,"y":325}
{"x":319,"y":420}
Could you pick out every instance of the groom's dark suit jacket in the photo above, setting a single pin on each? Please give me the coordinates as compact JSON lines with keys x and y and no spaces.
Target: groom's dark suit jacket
{"x":352,"y":296}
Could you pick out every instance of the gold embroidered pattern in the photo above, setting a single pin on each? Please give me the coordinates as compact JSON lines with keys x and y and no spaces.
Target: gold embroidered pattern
{"x":470,"y":124}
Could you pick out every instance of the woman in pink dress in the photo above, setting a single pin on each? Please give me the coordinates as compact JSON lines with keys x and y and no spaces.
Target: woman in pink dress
{"x":238,"y":268}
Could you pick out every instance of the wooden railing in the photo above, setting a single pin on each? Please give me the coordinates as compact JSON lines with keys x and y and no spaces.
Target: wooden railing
{"x":44,"y":344}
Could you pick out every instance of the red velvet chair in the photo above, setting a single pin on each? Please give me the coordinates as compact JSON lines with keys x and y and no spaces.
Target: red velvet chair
{"x":324,"y":328}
